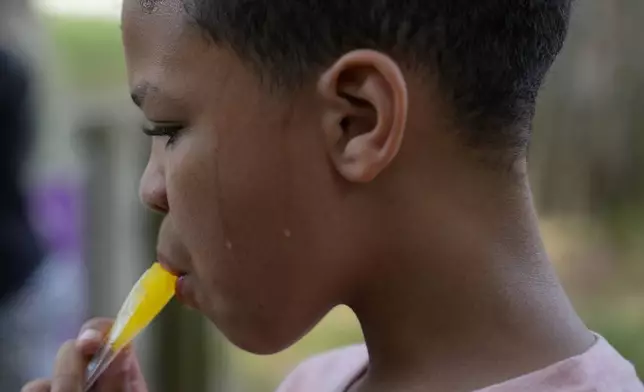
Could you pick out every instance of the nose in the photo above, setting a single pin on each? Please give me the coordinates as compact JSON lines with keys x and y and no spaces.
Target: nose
{"x":152,"y":190}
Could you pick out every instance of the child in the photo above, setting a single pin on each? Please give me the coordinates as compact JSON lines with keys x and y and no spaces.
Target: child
{"x":372,"y":153}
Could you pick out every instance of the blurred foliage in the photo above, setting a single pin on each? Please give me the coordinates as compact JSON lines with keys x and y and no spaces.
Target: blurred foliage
{"x":588,"y":147}
{"x":90,"y":51}
{"x":621,"y":321}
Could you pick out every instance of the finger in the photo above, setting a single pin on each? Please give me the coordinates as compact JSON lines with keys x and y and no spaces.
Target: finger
{"x":99,"y":324}
{"x":134,"y":375}
{"x":115,"y":377}
{"x":37,"y":386}
{"x":124,"y":374}
{"x":69,"y":371}
{"x":92,"y":335}
{"x":89,"y":342}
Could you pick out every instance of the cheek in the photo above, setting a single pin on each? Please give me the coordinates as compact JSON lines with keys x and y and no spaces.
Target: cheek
{"x":191,"y":185}
{"x":229,"y":201}
{"x":233,"y":205}
{"x":254,"y":199}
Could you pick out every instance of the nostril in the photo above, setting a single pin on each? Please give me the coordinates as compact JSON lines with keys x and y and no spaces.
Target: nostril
{"x":156,"y":201}
{"x":160,"y":206}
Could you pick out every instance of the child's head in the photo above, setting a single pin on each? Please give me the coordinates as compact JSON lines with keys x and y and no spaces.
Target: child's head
{"x":298,"y":138}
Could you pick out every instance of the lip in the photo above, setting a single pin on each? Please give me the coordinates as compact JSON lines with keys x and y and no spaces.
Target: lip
{"x":183,"y":289}
{"x":180,"y":290}
{"x":168,"y":267}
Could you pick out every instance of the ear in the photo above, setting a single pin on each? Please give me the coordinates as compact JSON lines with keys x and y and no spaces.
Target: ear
{"x":365,"y":119}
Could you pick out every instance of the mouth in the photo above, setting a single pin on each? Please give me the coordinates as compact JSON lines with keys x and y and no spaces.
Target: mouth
{"x":163,"y":262}
{"x":184,"y":287}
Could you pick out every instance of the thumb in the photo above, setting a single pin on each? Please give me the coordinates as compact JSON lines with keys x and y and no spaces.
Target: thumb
{"x":69,"y":373}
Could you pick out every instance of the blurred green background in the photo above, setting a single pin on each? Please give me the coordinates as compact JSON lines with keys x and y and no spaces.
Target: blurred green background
{"x":587,"y":164}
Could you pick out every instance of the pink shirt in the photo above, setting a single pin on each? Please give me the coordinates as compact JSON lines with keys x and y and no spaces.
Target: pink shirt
{"x":600,"y":369}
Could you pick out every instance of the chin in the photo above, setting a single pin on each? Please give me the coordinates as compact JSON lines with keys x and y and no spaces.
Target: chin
{"x":259,"y":338}
{"x":259,"y":346}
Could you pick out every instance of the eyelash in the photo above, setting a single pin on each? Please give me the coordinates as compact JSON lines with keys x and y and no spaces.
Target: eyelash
{"x":169,"y":130}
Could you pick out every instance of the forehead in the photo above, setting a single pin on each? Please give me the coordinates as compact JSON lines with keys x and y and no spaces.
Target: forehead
{"x":151,"y":7}
{"x":151,"y":27}
{"x":178,"y":66}
{"x":161,"y":46}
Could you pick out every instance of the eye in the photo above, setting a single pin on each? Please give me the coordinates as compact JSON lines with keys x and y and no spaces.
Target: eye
{"x":170,"y":130}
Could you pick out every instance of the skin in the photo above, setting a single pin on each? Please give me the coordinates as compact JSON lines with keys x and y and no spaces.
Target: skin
{"x":279,"y":206}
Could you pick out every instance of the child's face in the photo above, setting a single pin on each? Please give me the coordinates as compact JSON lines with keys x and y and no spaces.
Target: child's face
{"x":253,"y":213}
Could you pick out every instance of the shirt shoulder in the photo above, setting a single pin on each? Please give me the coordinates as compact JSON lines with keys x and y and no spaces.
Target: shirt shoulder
{"x":600,"y":369}
{"x":333,"y":371}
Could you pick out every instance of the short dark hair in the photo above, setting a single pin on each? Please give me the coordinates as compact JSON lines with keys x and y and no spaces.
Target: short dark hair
{"x":489,"y":56}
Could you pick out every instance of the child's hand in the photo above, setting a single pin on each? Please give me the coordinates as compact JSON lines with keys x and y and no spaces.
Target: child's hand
{"x":123,"y":374}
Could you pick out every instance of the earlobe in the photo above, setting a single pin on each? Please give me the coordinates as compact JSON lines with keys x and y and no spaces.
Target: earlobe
{"x":366,"y":113}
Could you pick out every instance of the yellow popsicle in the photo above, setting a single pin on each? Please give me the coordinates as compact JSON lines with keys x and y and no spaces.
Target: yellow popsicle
{"x":148,"y":297}
{"x":146,"y":300}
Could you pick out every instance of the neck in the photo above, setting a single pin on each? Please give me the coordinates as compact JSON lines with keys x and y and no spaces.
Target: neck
{"x":470,"y":304}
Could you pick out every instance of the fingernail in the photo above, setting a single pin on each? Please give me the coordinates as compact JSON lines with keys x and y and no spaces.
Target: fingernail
{"x":90,"y":335}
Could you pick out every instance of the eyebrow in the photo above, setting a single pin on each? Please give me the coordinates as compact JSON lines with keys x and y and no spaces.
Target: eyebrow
{"x":147,"y":91}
